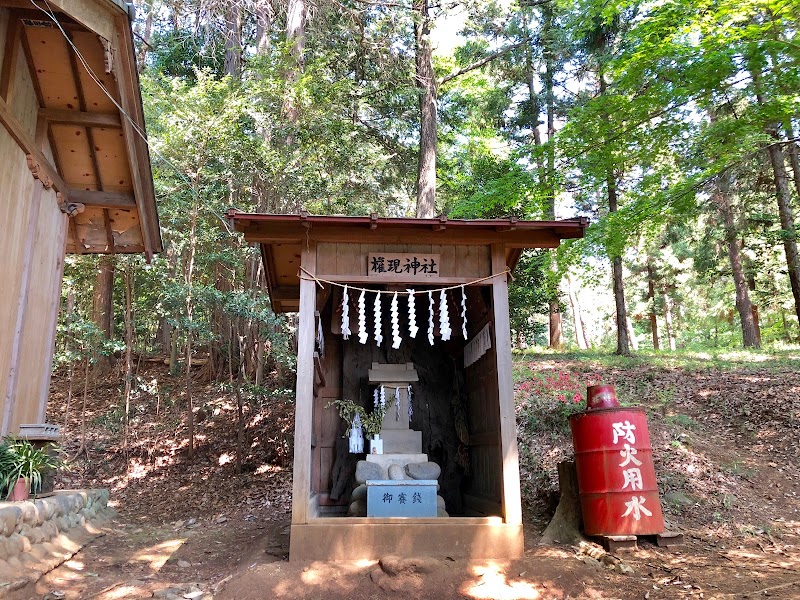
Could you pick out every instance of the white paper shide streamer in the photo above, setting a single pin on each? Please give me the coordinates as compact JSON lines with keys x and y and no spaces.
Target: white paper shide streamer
{"x":397,"y":403}
{"x":378,"y":316}
{"x":444,"y":317}
{"x":396,"y":339}
{"x":376,"y":398}
{"x":463,"y":312}
{"x":410,"y":409}
{"x":345,"y":314}
{"x":412,"y":315}
{"x":430,"y":318}
{"x":363,"y":334}
{"x":383,"y":398}
{"x":356,"y":436}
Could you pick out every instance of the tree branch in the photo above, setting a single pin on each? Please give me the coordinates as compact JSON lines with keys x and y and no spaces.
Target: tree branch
{"x":478,"y":63}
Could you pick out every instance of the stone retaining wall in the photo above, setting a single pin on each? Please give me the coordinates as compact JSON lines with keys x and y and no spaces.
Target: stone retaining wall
{"x":38,"y":535}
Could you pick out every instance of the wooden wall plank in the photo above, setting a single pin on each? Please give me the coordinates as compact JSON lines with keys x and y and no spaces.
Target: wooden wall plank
{"x":41,"y":313}
{"x":50,"y":54}
{"x":72,"y":145}
{"x":512,"y":501}
{"x":22,"y":305}
{"x":115,"y":173}
{"x":326,"y":258}
{"x":348,"y":260}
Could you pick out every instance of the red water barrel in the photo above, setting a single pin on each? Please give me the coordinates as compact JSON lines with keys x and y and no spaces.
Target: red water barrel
{"x":616,"y":477}
{"x":601,"y":396}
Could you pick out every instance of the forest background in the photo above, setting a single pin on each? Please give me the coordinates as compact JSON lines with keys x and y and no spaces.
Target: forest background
{"x":672,"y":125}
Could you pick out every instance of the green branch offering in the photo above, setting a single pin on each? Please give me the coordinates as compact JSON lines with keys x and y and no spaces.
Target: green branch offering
{"x":370,"y":422}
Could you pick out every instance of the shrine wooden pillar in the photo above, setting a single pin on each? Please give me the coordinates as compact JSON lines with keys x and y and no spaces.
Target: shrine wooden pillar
{"x":512,"y":500}
{"x":304,"y":396}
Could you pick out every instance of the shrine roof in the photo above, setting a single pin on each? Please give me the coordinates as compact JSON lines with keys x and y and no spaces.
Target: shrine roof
{"x":282,"y":238}
{"x":70,"y":98}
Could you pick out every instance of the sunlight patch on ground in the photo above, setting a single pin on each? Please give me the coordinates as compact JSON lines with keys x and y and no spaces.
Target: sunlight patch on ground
{"x":265,"y":468}
{"x":155,"y":556}
{"x":493,"y":584}
{"x":342,"y":576}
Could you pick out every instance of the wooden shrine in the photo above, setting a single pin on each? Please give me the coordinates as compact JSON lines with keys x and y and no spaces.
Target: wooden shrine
{"x":74,"y":173}
{"x":422,"y":302}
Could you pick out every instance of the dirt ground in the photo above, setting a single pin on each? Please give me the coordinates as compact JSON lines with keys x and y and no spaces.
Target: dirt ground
{"x":725,"y":445}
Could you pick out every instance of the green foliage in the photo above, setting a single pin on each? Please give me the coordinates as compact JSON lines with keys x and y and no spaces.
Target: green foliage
{"x":20,"y":459}
{"x":371,"y":421}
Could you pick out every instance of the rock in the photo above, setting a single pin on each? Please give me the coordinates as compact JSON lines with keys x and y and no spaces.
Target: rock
{"x":398,"y":565}
{"x":677,"y":499}
{"x":184,"y":564}
{"x":592,"y":562}
{"x":625,"y":569}
{"x":29,"y":513}
{"x":357,"y":509}
{"x":360,"y":493}
{"x":440,"y":512}
{"x":440,"y":503}
{"x":426,"y":470}
{"x":221,"y":519}
{"x":367,"y":470}
{"x":397,"y":472}
{"x":10,"y":519}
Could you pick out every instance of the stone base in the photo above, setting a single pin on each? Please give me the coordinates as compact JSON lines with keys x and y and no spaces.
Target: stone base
{"x":38,"y":535}
{"x":401,"y":442}
{"x":385,"y":460}
{"x":371,"y":538}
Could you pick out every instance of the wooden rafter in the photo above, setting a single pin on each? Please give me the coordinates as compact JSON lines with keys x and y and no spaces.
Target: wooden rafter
{"x":9,"y":66}
{"x":57,"y":116}
{"x":73,"y":62}
{"x":101,"y":199}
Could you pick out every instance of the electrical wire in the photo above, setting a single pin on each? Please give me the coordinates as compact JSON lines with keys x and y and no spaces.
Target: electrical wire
{"x":134,"y":125}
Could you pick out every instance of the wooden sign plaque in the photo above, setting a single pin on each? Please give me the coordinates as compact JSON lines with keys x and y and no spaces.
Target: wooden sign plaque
{"x":403,"y":265}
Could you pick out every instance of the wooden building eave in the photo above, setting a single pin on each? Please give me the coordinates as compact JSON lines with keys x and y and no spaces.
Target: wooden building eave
{"x":85,"y":141}
{"x":283,"y":237}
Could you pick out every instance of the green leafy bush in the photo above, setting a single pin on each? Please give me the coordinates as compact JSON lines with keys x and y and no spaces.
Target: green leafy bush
{"x":19,"y":459}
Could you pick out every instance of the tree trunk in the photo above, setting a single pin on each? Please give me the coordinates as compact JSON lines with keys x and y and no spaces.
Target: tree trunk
{"x":565,"y":526}
{"x":265,"y":14}
{"x":651,"y":295}
{"x":743,"y":304}
{"x":757,"y":324}
{"x":668,"y":322}
{"x":128,"y":361}
{"x":70,"y":313}
{"x":189,"y":316}
{"x":232,"y":64}
{"x":777,"y":159}
{"x":103,"y":306}
{"x":794,"y":157}
{"x":426,"y":83}
{"x":296,"y":15}
{"x":631,"y":334}
{"x":580,"y":335}
{"x":141,"y":58}
{"x":787,"y":222}
{"x":623,"y":344}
